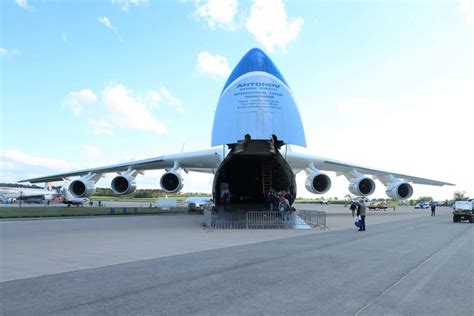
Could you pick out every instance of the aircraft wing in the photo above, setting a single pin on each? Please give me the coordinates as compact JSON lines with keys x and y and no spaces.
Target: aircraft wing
{"x":201,"y":161}
{"x":300,"y":161}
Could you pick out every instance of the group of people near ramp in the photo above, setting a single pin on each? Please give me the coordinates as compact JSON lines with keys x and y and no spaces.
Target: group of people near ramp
{"x":279,"y":202}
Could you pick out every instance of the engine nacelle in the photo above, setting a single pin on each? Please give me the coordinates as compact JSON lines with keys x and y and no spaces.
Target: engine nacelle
{"x":81,"y":188}
{"x":123,"y":184}
{"x":171,"y":182}
{"x":362,"y":186}
{"x":318,"y":183}
{"x":399,"y":190}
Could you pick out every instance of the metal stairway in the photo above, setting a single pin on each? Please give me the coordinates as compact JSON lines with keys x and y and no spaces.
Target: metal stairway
{"x":266,"y":176}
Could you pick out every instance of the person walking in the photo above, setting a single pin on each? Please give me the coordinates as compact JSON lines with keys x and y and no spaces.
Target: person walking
{"x":353,"y":208}
{"x":433,"y":209}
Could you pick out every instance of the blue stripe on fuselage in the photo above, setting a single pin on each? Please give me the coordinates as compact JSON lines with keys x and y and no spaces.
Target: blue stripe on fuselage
{"x":254,"y":60}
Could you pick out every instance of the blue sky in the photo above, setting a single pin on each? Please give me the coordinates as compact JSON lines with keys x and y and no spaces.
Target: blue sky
{"x":386,"y":84}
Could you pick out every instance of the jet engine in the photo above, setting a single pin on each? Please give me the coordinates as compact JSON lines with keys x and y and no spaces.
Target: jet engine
{"x":362,"y":186}
{"x":81,"y":188}
{"x":171,"y":182}
{"x":399,"y":190}
{"x":123,"y":184}
{"x":318,"y":183}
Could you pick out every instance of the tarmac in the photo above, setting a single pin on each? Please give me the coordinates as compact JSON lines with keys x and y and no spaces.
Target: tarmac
{"x":36,"y":247}
{"x":406,"y":263}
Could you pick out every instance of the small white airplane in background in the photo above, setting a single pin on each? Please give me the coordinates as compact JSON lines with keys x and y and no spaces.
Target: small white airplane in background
{"x":16,"y":193}
{"x":255,"y":116}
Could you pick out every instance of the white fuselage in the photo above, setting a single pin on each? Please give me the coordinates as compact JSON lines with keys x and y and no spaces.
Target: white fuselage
{"x":24,"y":193}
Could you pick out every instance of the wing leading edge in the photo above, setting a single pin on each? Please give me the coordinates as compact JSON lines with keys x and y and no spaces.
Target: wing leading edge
{"x":300,"y":161}
{"x":200,"y":161}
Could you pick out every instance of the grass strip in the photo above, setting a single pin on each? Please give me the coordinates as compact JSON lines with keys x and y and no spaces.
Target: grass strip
{"x":16,"y":212}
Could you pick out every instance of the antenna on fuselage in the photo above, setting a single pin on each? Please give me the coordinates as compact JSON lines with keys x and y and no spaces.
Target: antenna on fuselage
{"x":184,"y":143}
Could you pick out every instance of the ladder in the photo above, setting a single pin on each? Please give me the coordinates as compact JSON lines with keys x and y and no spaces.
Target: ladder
{"x":266,"y":176}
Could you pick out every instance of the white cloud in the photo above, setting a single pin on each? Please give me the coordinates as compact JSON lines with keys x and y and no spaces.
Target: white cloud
{"x":125,"y":4}
{"x":77,"y":99}
{"x":154,"y":98}
{"x":127,"y":111}
{"x":15,"y":157}
{"x":105,"y":20}
{"x":217,"y":12}
{"x":118,"y":107}
{"x":23,"y":4}
{"x":466,"y":7}
{"x":9,"y":52}
{"x":269,"y":23}
{"x":212,"y":65}
{"x":170,"y":99}
{"x":92,"y":151}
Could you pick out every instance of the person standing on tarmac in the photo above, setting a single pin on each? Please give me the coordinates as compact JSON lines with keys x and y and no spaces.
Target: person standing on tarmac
{"x":362,"y":211}
{"x":433,"y":209}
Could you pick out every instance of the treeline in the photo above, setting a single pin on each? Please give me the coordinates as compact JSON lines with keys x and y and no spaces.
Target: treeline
{"x":140,"y":193}
{"x":145,"y":193}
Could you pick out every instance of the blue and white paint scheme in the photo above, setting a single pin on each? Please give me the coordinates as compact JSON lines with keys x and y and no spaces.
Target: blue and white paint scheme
{"x":260,"y":103}
{"x":256,"y":116}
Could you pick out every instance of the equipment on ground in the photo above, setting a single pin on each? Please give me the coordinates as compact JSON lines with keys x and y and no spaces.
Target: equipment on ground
{"x":463,"y":211}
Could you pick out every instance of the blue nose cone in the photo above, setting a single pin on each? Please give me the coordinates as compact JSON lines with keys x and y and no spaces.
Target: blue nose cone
{"x":254,"y":60}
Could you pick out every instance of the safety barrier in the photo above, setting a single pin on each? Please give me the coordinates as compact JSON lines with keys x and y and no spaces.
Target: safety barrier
{"x":264,"y":219}
{"x":207,"y":218}
{"x":314,"y":218}
{"x":243,"y":219}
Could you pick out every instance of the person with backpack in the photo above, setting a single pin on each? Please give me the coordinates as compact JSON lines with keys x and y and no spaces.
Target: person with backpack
{"x":433,"y":209}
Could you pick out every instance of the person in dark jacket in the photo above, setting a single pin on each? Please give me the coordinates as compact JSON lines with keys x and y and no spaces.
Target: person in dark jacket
{"x":433,"y":209}
{"x":362,"y":211}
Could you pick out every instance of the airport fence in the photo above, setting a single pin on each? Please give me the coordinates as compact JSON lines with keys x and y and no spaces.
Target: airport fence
{"x":313,"y":218}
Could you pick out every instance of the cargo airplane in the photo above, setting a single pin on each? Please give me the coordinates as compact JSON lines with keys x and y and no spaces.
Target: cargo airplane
{"x":256,"y":116}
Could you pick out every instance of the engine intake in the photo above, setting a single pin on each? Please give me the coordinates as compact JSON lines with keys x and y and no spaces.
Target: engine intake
{"x":123,"y":184}
{"x":362,"y":186}
{"x":171,"y":182}
{"x":81,"y":188}
{"x":318,"y":183}
{"x":399,"y":190}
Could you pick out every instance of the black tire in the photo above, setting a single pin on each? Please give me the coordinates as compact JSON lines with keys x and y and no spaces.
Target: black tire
{"x":455,"y":219}
{"x":470,"y":220}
